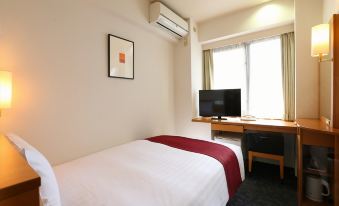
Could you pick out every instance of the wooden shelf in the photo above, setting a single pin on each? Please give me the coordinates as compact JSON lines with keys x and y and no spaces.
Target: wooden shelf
{"x":318,"y":173}
{"x":308,"y":202}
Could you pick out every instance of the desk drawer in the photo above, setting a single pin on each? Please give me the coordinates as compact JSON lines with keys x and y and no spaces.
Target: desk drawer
{"x":227,"y":128}
{"x":317,"y":139}
{"x":269,"y":143}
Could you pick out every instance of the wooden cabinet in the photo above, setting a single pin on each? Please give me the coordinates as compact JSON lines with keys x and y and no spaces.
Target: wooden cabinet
{"x":19,"y":184}
{"x":314,"y":133}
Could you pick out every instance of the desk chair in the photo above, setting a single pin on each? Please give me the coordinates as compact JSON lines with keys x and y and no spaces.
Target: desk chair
{"x":267,"y":146}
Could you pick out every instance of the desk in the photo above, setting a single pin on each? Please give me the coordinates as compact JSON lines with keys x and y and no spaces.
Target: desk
{"x":308,"y":132}
{"x":237,"y":125}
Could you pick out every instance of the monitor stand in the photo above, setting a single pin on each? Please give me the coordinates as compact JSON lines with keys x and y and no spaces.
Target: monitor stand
{"x":219,"y":118}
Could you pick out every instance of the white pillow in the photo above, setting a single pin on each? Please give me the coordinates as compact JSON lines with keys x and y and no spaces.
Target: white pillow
{"x":49,"y":190}
{"x":18,"y":142}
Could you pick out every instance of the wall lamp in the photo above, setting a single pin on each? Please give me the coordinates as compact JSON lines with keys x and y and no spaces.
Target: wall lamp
{"x":5,"y":90}
{"x":321,"y":42}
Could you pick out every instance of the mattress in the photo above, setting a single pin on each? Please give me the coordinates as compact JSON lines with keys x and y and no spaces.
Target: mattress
{"x":143,"y":173}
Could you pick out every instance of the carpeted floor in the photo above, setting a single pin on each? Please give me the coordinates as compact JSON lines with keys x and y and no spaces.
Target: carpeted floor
{"x":264,"y":188}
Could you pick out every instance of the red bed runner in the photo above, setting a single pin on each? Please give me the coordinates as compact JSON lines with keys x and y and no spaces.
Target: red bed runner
{"x":219,"y":152}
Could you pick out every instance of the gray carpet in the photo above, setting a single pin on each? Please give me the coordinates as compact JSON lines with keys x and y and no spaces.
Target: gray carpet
{"x":264,"y":188}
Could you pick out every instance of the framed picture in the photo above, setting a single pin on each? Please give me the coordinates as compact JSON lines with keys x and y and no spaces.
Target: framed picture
{"x":120,"y":57}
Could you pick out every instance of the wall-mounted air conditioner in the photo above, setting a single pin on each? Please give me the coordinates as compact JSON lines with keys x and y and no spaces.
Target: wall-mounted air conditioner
{"x":166,"y":19}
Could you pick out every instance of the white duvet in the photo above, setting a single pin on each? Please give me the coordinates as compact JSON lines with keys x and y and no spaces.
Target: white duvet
{"x":143,"y":173}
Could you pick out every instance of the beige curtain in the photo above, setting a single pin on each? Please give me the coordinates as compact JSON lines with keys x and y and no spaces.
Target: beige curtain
{"x":288,"y":69}
{"x":208,"y":70}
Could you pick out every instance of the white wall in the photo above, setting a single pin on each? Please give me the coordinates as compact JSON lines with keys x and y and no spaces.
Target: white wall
{"x":307,"y":14}
{"x":250,"y":37}
{"x":188,"y":81}
{"x":265,"y":16}
{"x":196,"y":67}
{"x":64,"y":103}
{"x":330,"y":7}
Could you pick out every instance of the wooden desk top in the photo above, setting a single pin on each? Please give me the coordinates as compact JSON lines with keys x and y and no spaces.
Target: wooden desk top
{"x":316,"y":125}
{"x":16,"y":176}
{"x":309,"y":124}
{"x":258,"y":125}
{"x":238,"y":121}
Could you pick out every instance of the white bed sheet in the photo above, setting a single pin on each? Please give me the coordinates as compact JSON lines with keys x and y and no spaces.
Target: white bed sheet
{"x":143,"y":173}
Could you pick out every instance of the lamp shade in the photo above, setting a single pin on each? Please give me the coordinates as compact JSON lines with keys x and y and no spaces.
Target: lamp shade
{"x":5,"y":89}
{"x":320,"y":40}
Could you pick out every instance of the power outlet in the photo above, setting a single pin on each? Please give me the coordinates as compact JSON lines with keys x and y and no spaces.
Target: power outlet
{"x":328,"y":122}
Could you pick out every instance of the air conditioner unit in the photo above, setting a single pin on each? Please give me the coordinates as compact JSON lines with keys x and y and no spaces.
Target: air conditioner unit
{"x":166,"y":19}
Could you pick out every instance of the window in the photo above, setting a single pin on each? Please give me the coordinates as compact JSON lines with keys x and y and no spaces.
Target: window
{"x":230,"y":71}
{"x":256,"y":69}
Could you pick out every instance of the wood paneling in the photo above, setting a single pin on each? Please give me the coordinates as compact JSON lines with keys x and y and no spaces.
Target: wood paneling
{"x":335,"y":47}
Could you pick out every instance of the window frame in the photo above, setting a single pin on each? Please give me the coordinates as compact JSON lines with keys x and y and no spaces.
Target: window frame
{"x":246,"y":46}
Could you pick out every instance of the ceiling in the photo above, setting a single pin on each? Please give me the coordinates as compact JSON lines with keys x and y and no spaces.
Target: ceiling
{"x":201,"y":10}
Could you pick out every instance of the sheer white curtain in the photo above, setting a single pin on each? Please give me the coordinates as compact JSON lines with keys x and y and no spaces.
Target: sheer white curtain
{"x":255,"y":68}
{"x":266,"y":89}
{"x":230,"y":71}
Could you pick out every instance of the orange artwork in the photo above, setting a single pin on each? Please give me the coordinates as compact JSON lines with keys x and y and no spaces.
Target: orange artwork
{"x":122,"y":58}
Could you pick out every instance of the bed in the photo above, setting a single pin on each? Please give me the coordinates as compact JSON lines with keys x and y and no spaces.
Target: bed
{"x":148,"y":173}
{"x":144,"y":173}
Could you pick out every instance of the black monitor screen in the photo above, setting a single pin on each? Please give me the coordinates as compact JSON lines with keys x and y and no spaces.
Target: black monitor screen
{"x":225,"y":102}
